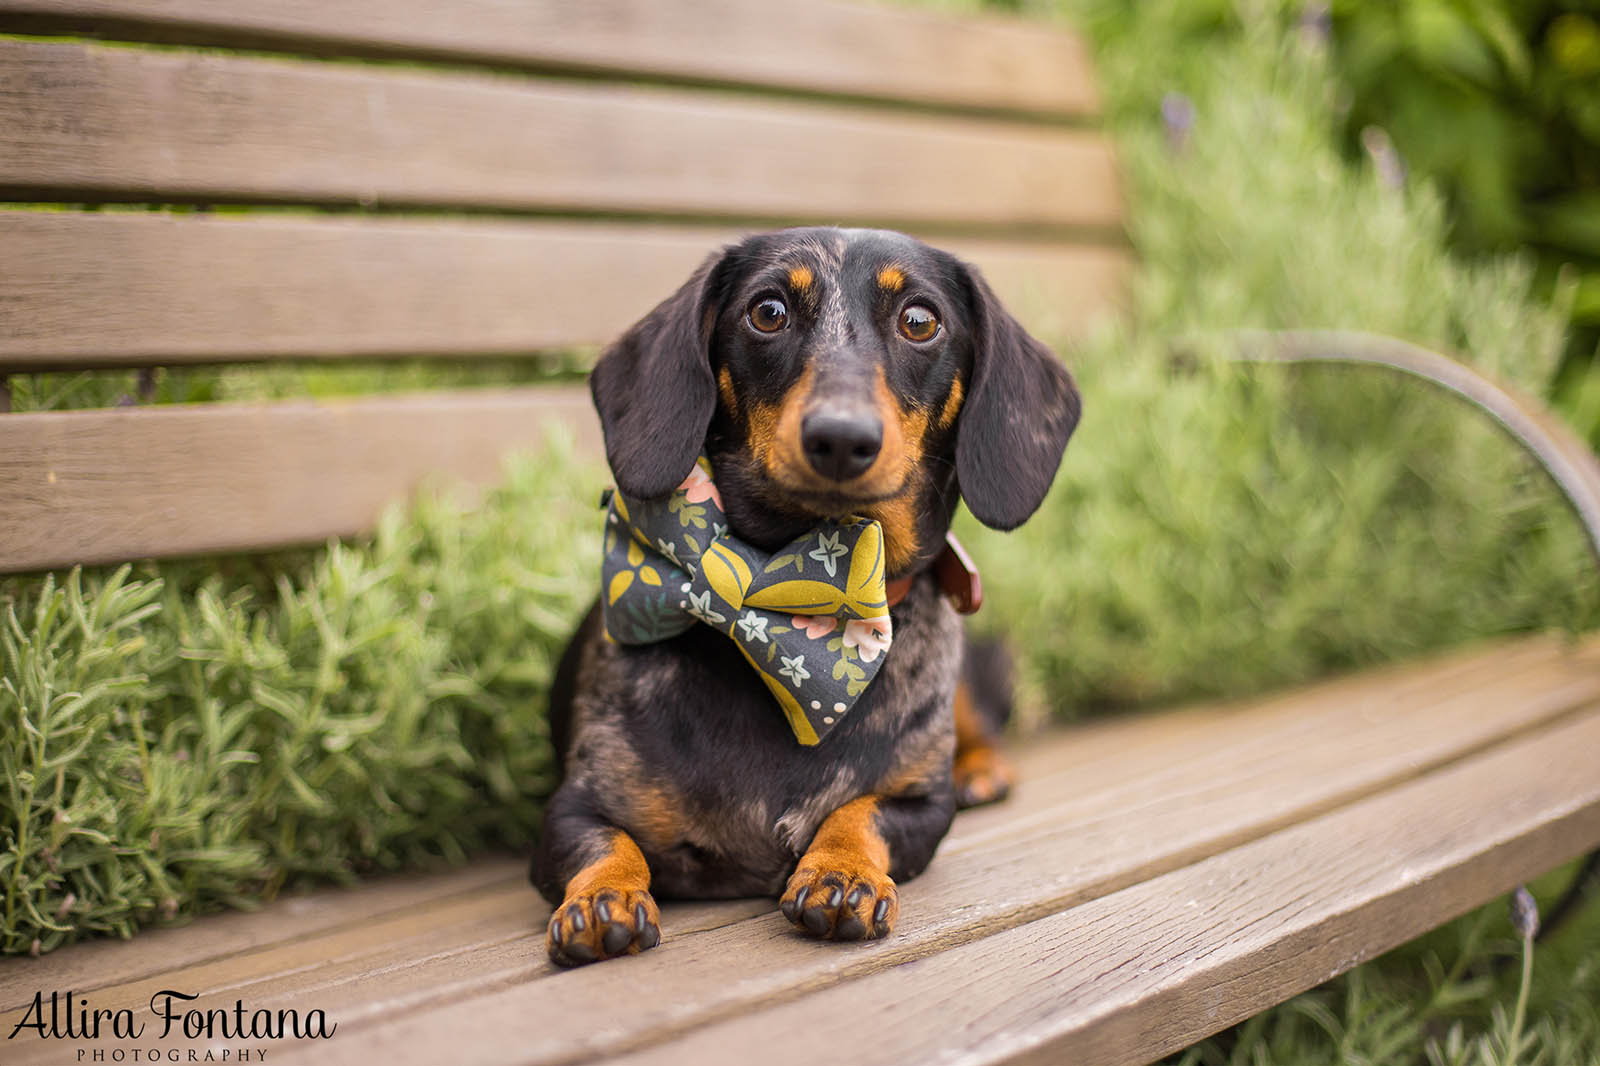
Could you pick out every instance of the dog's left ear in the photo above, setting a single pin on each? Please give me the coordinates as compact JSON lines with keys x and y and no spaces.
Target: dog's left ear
{"x":1020,"y":410}
{"x":654,"y":390}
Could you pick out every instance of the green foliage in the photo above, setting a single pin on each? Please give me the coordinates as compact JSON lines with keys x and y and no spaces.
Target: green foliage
{"x":1493,"y":103}
{"x":1214,"y":528}
{"x":1498,"y":103}
{"x":188,"y":736}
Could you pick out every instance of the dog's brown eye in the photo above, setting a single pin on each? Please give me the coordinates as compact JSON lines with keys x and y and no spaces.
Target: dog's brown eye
{"x":917,"y":323}
{"x":769,"y":315}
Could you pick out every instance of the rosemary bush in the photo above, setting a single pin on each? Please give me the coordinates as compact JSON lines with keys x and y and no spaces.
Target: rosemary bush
{"x":180,"y":737}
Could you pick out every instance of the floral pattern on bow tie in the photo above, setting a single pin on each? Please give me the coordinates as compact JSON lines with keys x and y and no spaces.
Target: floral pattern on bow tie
{"x":671,"y":564}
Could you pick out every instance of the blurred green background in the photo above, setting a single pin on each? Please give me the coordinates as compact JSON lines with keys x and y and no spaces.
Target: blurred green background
{"x":1494,"y":104}
{"x":214,"y":732}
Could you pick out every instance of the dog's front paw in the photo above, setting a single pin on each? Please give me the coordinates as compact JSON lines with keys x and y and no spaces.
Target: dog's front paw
{"x":834,"y":903}
{"x":603,"y":924}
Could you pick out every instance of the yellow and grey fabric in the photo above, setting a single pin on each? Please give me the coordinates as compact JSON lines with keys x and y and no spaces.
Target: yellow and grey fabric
{"x":812,"y":618}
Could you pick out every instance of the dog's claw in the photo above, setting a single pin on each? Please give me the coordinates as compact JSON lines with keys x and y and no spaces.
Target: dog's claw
{"x":848,"y":927}
{"x":840,"y":904}
{"x":791,"y":905}
{"x":880,"y":918}
{"x":602,"y":924}
{"x":649,"y":932}
{"x":616,"y":939}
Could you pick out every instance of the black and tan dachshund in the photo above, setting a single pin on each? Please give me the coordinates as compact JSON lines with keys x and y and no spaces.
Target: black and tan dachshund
{"x":823,"y":373}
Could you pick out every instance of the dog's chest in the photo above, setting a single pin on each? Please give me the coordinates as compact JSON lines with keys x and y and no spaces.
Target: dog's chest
{"x":698,"y":762}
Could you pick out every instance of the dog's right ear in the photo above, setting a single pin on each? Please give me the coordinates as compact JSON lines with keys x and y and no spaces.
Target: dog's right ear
{"x":654,"y":390}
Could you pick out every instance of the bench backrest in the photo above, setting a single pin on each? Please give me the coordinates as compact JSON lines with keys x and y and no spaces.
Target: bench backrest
{"x":371,"y":179}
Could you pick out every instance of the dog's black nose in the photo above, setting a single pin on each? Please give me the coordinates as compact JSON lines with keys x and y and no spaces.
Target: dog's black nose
{"x":840,"y":446}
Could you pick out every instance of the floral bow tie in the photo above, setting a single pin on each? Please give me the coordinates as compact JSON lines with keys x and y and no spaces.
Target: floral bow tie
{"x":812,"y":618}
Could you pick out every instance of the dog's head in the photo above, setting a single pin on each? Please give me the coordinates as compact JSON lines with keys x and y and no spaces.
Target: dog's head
{"x":831,"y":372}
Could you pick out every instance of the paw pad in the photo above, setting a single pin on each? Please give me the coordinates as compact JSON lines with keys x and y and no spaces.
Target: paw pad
{"x":602,"y":924}
{"x":841,"y":905}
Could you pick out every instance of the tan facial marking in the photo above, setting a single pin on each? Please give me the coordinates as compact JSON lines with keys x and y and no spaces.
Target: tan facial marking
{"x":774,"y":441}
{"x":902,"y":440}
{"x":897,"y":468}
{"x":898,"y":517}
{"x":775,"y":434}
{"x":800,"y":278}
{"x":952,"y":404}
{"x":891,"y":278}
{"x":730,"y":399}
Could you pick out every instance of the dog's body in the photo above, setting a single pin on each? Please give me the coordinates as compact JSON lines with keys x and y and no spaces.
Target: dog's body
{"x":822,"y":373}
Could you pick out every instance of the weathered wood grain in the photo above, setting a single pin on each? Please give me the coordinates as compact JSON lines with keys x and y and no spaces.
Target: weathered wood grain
{"x":1197,"y":802}
{"x":105,"y":486}
{"x":490,"y":938}
{"x":867,"y":51}
{"x":88,"y":289}
{"x":85,"y":122}
{"x":1186,"y":786}
{"x":102,"y":963}
{"x":500,"y":942}
{"x":1135,"y":975}
{"x":1053,"y":768}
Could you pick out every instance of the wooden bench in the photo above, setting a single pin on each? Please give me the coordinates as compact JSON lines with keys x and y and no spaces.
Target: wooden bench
{"x":486,"y":179}
{"x":465,"y":210}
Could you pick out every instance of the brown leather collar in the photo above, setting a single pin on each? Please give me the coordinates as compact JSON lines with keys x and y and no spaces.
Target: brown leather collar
{"x":957,"y":575}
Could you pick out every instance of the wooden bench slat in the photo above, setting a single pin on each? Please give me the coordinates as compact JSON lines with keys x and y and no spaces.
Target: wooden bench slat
{"x":97,"y":965}
{"x":1138,"y":974}
{"x":101,"y":963}
{"x":917,"y":56}
{"x":1066,"y":838}
{"x":90,"y":289}
{"x":1239,"y":776}
{"x":90,"y":122}
{"x":456,"y":940}
{"x":1056,"y":769}
{"x":1100,"y":843}
{"x":104,"y":486}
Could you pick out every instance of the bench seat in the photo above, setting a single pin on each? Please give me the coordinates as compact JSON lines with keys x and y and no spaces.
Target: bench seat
{"x":1154,"y":880}
{"x":188,"y":183}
